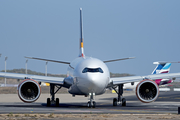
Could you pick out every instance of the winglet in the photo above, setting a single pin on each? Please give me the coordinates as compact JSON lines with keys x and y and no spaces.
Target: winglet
{"x":81,"y":36}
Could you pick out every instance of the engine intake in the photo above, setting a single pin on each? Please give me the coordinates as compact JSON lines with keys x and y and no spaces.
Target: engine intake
{"x":29,"y":90}
{"x":147,"y":91}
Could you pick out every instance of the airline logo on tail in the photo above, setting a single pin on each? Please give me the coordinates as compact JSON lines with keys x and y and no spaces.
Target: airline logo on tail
{"x":162,"y":67}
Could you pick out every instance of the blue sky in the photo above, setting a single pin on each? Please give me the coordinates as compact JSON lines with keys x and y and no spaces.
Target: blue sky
{"x":147,"y":30}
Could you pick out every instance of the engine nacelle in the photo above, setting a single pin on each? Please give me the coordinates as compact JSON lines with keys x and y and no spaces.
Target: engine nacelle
{"x":147,"y":91}
{"x":29,"y":90}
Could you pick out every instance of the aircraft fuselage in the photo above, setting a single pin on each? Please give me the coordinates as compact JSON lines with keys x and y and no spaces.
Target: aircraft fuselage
{"x":90,"y":75}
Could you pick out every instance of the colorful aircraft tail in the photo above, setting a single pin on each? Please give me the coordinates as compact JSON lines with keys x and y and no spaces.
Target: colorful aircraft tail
{"x":162,"y":67}
{"x":81,"y":36}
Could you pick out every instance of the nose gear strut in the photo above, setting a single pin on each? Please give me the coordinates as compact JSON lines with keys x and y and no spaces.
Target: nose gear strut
{"x":91,"y":102}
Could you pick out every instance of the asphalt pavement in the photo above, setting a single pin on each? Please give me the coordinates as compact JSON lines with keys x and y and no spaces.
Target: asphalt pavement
{"x":167,"y":102}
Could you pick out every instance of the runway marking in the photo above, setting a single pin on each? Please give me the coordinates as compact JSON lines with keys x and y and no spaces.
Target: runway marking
{"x":135,"y":111}
{"x":32,"y":110}
{"x":163,"y":97}
{"x":176,"y":89}
{"x":176,"y":98}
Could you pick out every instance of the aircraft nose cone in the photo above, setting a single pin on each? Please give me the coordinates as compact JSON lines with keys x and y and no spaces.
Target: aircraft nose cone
{"x":93,"y":79}
{"x":92,"y":83}
{"x":98,"y":83}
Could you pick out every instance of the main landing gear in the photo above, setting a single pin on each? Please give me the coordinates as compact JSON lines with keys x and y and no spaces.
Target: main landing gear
{"x":117,"y":101}
{"x":52,"y":101}
{"x":91,"y":103}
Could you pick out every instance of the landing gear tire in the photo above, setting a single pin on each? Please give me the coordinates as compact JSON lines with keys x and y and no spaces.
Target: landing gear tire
{"x":94,"y":104}
{"x":48,"y":102}
{"x":123,"y":102}
{"x":119,"y":99}
{"x":89,"y":104}
{"x":114,"y":102}
{"x":57,"y":102}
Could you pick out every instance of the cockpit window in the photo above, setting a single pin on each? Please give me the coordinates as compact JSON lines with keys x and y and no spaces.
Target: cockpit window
{"x":92,"y":70}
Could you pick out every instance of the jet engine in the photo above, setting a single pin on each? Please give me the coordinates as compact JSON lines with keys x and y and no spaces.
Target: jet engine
{"x":147,"y":91}
{"x":29,"y":90}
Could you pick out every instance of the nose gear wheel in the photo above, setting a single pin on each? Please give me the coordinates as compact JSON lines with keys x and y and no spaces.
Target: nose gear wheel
{"x":91,"y":103}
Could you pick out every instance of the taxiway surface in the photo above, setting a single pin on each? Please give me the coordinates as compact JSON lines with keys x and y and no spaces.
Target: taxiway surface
{"x":167,"y":102}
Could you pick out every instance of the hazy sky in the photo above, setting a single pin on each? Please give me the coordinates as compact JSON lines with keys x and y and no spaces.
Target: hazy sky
{"x":148,"y":30}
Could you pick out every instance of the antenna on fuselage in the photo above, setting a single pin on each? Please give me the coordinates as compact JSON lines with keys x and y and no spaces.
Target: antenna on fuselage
{"x":81,"y":36}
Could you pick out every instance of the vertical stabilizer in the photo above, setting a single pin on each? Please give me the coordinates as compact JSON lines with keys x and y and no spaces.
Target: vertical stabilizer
{"x":81,"y":36}
{"x":162,"y":67}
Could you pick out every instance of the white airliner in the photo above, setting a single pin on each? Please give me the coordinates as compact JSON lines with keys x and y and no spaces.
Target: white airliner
{"x":87,"y":76}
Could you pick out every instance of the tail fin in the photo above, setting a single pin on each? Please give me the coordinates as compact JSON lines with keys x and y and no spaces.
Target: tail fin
{"x":81,"y":36}
{"x":162,"y":67}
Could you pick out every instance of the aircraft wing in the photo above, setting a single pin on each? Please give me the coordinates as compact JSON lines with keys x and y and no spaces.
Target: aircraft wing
{"x":123,"y":80}
{"x":47,"y":79}
{"x":118,"y":59}
{"x":48,"y":60}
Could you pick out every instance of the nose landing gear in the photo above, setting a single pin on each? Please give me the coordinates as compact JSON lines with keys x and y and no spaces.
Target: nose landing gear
{"x":91,"y":103}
